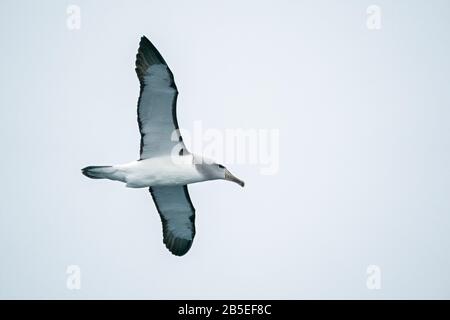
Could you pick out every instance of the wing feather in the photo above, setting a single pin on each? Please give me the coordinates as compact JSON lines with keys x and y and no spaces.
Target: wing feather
{"x":157,"y":103}
{"x":177,"y":216}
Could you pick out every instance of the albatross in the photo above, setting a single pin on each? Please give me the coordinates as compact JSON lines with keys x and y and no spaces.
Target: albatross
{"x":165,"y":166}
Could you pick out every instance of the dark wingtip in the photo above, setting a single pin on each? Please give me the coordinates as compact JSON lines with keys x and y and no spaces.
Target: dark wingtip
{"x":150,"y":54}
{"x":177,"y":246}
{"x":180,"y":251}
{"x":147,"y":56}
{"x":144,"y":41}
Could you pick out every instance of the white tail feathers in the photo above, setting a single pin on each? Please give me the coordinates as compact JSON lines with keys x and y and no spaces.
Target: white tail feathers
{"x":101,"y":172}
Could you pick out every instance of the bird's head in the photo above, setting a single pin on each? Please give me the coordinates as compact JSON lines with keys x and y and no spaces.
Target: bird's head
{"x":218,"y":171}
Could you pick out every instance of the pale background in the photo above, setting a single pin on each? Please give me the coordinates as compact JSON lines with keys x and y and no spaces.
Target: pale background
{"x":364,"y":149}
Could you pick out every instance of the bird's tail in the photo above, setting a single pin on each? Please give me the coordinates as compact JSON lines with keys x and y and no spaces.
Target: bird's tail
{"x":100,"y":172}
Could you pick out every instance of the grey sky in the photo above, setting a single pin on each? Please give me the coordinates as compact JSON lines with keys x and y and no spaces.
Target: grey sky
{"x":364,"y":149}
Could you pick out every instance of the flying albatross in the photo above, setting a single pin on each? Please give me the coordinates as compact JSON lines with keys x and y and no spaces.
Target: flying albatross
{"x":165,"y":166}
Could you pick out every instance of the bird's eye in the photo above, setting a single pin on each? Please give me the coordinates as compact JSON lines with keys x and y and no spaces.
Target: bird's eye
{"x":221,"y":166}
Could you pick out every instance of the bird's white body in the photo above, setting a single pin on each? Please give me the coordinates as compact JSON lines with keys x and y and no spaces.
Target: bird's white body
{"x":159,"y":171}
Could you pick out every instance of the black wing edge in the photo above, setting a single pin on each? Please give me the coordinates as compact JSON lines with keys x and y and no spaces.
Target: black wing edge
{"x":177,"y":246}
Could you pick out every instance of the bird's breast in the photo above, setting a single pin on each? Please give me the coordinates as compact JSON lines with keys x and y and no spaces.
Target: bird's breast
{"x":163,"y":171}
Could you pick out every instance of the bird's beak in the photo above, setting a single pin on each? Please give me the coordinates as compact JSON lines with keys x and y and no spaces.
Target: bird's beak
{"x":230,"y":177}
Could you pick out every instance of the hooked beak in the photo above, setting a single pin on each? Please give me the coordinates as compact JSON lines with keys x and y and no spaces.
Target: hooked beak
{"x":230,"y":177}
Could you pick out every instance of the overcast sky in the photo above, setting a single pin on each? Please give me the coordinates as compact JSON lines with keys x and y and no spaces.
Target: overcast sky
{"x":363,"y":150}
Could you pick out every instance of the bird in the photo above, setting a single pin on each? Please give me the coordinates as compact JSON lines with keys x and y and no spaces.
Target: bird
{"x":165,"y":166}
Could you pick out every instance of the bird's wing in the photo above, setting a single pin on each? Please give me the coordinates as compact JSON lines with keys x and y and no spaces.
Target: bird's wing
{"x":157,"y":103}
{"x":177,"y":216}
